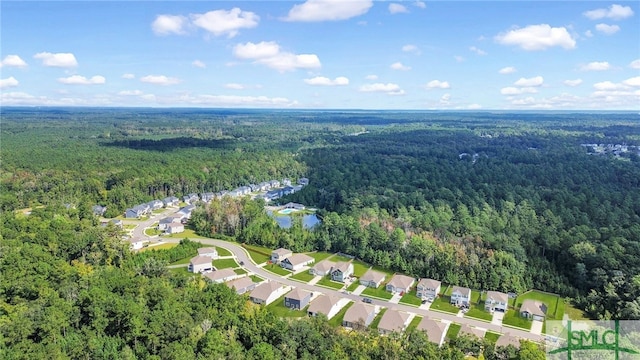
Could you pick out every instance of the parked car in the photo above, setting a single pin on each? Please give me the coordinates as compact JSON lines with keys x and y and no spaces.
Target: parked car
{"x":367,"y":300}
{"x":241,"y":263}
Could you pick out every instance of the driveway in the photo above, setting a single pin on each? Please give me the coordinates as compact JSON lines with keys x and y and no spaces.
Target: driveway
{"x":536,"y":327}
{"x":497,"y":318}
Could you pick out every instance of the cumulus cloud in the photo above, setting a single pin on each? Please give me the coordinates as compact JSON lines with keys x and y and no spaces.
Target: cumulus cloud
{"x":130,"y":93}
{"x":395,"y":8}
{"x":199,"y":64}
{"x":437,"y":84}
{"x":588,"y":33}
{"x":400,"y":66}
{"x":389,"y":88}
{"x":169,"y":24}
{"x":615,"y":12}
{"x":596,"y":66}
{"x":234,"y":86}
{"x":510,"y":90}
{"x":81,"y":80}
{"x":371,"y":77}
{"x":572,"y":83}
{"x":608,"y":85}
{"x":328,"y":10}
{"x":534,"y":81}
{"x":608,"y":29}
{"x":159,"y":80}
{"x":128,"y":76}
{"x":507,"y":70}
{"x":420,"y":4}
{"x":13,"y":61}
{"x":223,"y":22}
{"x":635,"y":64}
{"x":8,"y":82}
{"x":634,"y":81}
{"x":537,"y":37}
{"x":63,"y":60}
{"x":268,"y":53}
{"x":410,"y":48}
{"x":477,"y":51}
{"x":324,"y":81}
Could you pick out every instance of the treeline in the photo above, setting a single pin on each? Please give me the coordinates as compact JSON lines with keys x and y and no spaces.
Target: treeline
{"x":71,"y":290}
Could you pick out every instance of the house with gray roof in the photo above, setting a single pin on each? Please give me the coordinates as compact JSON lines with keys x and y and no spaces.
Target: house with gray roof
{"x":393,"y":320}
{"x":221,"y":275}
{"x":242,"y":285}
{"x":428,"y":289}
{"x":460,"y":296}
{"x":400,"y":284}
{"x":342,"y":271}
{"x":297,"y":299}
{"x":533,"y":309}
{"x":372,"y":278}
{"x":496,"y":301}
{"x":325,"y":304}
{"x":436,"y":330}
{"x":296,"y":262}
{"x":359,"y":315}
{"x":280,"y":254}
{"x":323,"y":268}
{"x":200,"y":264}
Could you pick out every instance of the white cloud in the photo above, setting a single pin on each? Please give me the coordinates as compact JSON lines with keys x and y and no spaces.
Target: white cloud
{"x":399,"y":66}
{"x":445,"y":99}
{"x":608,"y":85}
{"x":410,"y":48}
{"x":572,"y":83}
{"x":199,"y":64}
{"x":507,"y":70}
{"x":8,"y":82}
{"x":608,"y":29}
{"x":477,"y":51}
{"x":397,"y":8}
{"x":128,"y":76}
{"x":596,"y":66}
{"x":526,"y":101}
{"x":615,"y":12}
{"x":371,"y":77}
{"x":437,"y":84}
{"x":13,"y":61}
{"x":588,"y":33}
{"x":635,"y":64}
{"x":234,"y":86}
{"x":459,"y":58}
{"x":130,"y":93}
{"x":57,"y":60}
{"x":420,"y":4}
{"x":389,"y":88}
{"x":510,"y":90}
{"x":223,"y":22}
{"x":159,"y":80}
{"x":537,"y":37}
{"x":269,"y":54}
{"x":328,"y":10}
{"x":324,"y":81}
{"x":634,"y":81}
{"x":474,"y":106}
{"x":81,"y":80}
{"x":534,"y":81}
{"x":169,"y":24}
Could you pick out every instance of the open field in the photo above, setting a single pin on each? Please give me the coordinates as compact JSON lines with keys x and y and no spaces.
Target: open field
{"x":225,"y":263}
{"x":258,"y":254}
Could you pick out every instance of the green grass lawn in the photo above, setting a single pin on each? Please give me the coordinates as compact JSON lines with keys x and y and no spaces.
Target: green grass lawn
{"x":152,"y":231}
{"x":447,"y":290}
{"x":187,"y":233}
{"x":129,"y":227}
{"x":414,"y":323}
{"x":160,"y":247}
{"x":278,"y":308}
{"x":380,"y":292}
{"x":337,"y":258}
{"x":453,"y":331}
{"x":513,"y":318}
{"x":327,"y":282}
{"x":359,"y":268}
{"x":491,"y":336}
{"x":337,"y":319}
{"x":385,"y":271}
{"x":182,"y":261}
{"x":276,"y":269}
{"x":223,"y":251}
{"x":555,"y":305}
{"x":225,"y":263}
{"x":477,"y":311}
{"x":575,"y":314}
{"x":441,"y":303}
{"x":411,"y":299}
{"x":319,"y":255}
{"x":475,"y":297}
{"x":376,"y":321}
{"x":354,"y":285}
{"x":240,"y":271}
{"x":256,"y":278}
{"x":303,"y":276}
{"x":180,"y":270}
{"x":258,"y":254}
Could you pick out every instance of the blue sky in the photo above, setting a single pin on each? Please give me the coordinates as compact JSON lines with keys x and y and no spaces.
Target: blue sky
{"x":335,"y":54}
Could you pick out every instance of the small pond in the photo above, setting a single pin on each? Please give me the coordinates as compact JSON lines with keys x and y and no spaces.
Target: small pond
{"x":284,"y":221}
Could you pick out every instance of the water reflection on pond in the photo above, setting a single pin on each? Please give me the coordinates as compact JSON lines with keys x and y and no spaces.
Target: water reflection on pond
{"x":285,"y":221}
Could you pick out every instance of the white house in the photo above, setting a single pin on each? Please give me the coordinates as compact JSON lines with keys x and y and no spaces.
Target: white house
{"x":200,"y":264}
{"x":323,"y":268}
{"x":136,"y":243}
{"x":428,"y":289}
{"x":296,"y":262}
{"x":208,"y":251}
{"x":222,"y":275}
{"x":342,"y":271}
{"x":496,"y":301}
{"x":460,"y":296}
{"x":267,"y":292}
{"x":175,"y":228}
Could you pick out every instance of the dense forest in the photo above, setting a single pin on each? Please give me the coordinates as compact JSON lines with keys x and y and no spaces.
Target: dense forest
{"x":494,"y":201}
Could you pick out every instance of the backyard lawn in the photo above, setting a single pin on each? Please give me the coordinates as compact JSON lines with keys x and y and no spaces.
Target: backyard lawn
{"x":376,"y":320}
{"x":513,"y":318}
{"x":380,"y":292}
{"x":441,"y":303}
{"x":337,"y":258}
{"x":303,"y":276}
{"x":240,"y":271}
{"x":278,"y":308}
{"x":276,"y":269}
{"x":411,"y":299}
{"x":327,"y":282}
{"x":225,"y":263}
{"x":477,"y":311}
{"x":319,"y":255}
{"x":359,"y":268}
{"x":180,"y":270}
{"x":574,"y":314}
{"x":337,"y":319}
{"x":258,"y":254}
{"x":453,"y":331}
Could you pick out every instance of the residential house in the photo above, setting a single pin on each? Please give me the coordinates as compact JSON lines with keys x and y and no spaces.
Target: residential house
{"x":287,"y":190}
{"x":207,"y":197}
{"x":242,"y":285}
{"x":274,"y":183}
{"x":190,"y":198}
{"x":496,"y":301}
{"x":286,"y":182}
{"x":99,"y":210}
{"x":171,"y":201}
{"x":359,"y":315}
{"x":221,"y":275}
{"x":428,"y":289}
{"x":200,"y":264}
{"x":460,"y":296}
{"x":175,"y":228}
{"x":297,"y":299}
{"x":465,"y":329}
{"x":323,"y":268}
{"x":266,"y":293}
{"x":533,"y":309}
{"x":436,"y":330}
{"x":342,"y":271}
{"x":280,"y":254}
{"x":325,"y":304}
{"x":303,"y":181}
{"x":507,"y":339}
{"x":171,"y":219}
{"x":292,"y":205}
{"x":136,"y":243}
{"x":186,"y":211}
{"x":393,"y":320}
{"x":155,"y":204}
{"x":372,"y":278}
{"x":208,"y":251}
{"x":296,"y":262}
{"x":264,"y":186}
{"x":400,"y":283}
{"x":297,"y":188}
{"x":117,"y":223}
{"x":273,"y":194}
{"x":137,"y":211}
